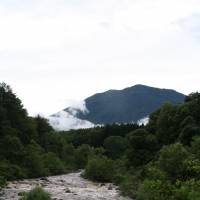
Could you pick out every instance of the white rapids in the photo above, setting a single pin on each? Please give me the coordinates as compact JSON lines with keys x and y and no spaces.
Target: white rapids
{"x":64,"y":187}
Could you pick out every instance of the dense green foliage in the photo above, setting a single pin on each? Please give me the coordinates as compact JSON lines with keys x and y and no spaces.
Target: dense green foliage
{"x":159,"y":161}
{"x":99,"y":169}
{"x":29,"y":147}
{"x":36,"y":194}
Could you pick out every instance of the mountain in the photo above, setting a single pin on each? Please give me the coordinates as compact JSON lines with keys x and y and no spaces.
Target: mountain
{"x":120,"y":106}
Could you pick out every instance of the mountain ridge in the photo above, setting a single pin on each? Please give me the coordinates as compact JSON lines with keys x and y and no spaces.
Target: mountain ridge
{"x":126,"y":105}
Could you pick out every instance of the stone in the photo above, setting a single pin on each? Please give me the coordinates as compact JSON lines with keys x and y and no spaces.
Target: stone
{"x":65,"y":187}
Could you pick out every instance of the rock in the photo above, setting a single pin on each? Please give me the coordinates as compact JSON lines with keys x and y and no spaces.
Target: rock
{"x":44,"y":179}
{"x":67,"y":190}
{"x":65,"y":187}
{"x":110,"y":187}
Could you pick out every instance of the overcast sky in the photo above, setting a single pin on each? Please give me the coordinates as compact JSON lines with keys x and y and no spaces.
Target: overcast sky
{"x":55,"y":51}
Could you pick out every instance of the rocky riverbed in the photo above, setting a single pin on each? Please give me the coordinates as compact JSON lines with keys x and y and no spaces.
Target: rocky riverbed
{"x":64,"y":187}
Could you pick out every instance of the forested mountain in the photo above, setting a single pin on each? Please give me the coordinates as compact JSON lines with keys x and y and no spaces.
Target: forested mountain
{"x":127,"y":105}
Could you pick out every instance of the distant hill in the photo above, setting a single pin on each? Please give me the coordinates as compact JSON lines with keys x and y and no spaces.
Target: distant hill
{"x":118,"y":106}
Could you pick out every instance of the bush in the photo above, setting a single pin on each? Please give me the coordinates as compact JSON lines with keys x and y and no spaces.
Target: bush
{"x":142,"y":147}
{"x":99,"y":169}
{"x":81,"y":156}
{"x":33,"y":160}
{"x":154,"y":173}
{"x":171,"y":160}
{"x":195,"y":147}
{"x":53,"y":164}
{"x":10,"y":172}
{"x":188,"y":190}
{"x":188,"y":133}
{"x":155,"y":190}
{"x":36,"y":194}
{"x":115,"y":146}
{"x":68,"y":155}
{"x":129,"y":185}
{"x":2,"y":182}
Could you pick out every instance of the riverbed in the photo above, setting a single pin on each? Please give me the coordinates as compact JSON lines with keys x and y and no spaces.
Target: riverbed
{"x":64,"y":187}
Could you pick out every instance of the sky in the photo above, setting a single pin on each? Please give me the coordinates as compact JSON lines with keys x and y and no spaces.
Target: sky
{"x":55,"y":53}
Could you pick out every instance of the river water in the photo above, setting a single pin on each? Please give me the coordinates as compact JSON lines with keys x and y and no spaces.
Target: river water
{"x":64,"y":187}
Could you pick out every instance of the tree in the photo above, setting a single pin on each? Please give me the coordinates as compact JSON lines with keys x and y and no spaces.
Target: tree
{"x":11,"y":105}
{"x":9,"y":171}
{"x":165,"y":125}
{"x":68,"y":155}
{"x":81,"y":156}
{"x":171,"y":160}
{"x":142,"y":147}
{"x":33,"y":160}
{"x":12,"y":149}
{"x":193,"y":104}
{"x":115,"y":146}
{"x":188,"y":133}
{"x":195,"y":147}
{"x":43,"y":128}
{"x":155,"y":190}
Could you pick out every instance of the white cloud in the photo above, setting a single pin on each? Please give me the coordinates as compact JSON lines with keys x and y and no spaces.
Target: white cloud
{"x":143,"y":121}
{"x":65,"y":121}
{"x":76,"y":106}
{"x":57,"y":49}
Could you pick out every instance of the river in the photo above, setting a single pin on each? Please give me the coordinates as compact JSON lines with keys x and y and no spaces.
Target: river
{"x":64,"y":187}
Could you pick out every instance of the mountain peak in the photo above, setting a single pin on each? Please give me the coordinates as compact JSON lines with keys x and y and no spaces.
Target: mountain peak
{"x":124,"y":106}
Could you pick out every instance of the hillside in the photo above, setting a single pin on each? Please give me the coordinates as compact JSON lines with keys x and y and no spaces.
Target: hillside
{"x":116,"y":106}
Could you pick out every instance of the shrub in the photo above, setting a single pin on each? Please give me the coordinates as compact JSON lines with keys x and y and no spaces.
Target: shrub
{"x":155,"y":190}
{"x":33,"y":160}
{"x":154,"y":173}
{"x":81,"y":156}
{"x":2,"y":182}
{"x":142,"y":147}
{"x":11,"y":172}
{"x":129,"y":185}
{"x":99,"y":169}
{"x":36,"y":194}
{"x":171,"y":160}
{"x":53,"y":164}
{"x":188,"y":190}
{"x":68,"y":155}
{"x":188,"y":133}
{"x":115,"y":146}
{"x":195,"y":147}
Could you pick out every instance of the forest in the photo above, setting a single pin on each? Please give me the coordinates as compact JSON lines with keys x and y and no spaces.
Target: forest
{"x":159,"y":161}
